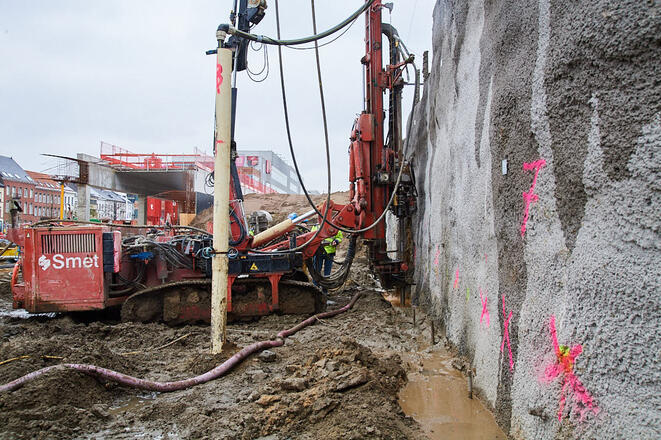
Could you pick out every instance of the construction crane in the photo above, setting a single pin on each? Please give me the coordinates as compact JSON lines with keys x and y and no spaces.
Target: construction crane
{"x":164,"y":273}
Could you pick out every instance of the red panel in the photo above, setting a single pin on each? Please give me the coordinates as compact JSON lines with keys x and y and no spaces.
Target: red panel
{"x":65,"y":269}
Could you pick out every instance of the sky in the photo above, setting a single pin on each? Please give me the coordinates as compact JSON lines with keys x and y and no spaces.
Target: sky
{"x":135,"y":74}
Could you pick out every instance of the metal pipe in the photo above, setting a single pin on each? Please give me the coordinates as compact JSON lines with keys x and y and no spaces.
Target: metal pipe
{"x":279,"y":229}
{"x":221,"y":197}
{"x":61,"y":200}
{"x":166,"y":387}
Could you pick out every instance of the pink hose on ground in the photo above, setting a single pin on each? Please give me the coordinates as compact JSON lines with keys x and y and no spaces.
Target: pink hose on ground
{"x":166,"y":387}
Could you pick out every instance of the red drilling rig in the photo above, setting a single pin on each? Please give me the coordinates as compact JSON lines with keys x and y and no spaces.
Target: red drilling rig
{"x":164,"y":273}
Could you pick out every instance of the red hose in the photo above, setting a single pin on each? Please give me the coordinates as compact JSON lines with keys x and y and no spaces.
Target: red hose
{"x":166,"y":387}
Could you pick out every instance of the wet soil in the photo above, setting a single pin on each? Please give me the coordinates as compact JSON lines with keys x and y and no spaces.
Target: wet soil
{"x":436,"y":396}
{"x":343,"y":378}
{"x":332,"y":380}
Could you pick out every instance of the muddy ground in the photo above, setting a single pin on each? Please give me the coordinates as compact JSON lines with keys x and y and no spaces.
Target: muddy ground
{"x":338,"y":379}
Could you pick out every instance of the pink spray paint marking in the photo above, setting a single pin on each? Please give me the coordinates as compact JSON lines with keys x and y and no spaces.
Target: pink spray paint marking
{"x":485,"y":311}
{"x":219,"y":77}
{"x":564,"y":365}
{"x":506,"y":335}
{"x":438,"y":252}
{"x":529,"y":196}
{"x":456,"y":279}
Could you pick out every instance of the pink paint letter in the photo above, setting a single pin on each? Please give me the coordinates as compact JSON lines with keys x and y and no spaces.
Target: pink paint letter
{"x":564,"y":365}
{"x":219,"y":77}
{"x":506,"y":335}
{"x":529,"y":196}
{"x":456,"y":279}
{"x":485,"y":311}
{"x":438,"y":252}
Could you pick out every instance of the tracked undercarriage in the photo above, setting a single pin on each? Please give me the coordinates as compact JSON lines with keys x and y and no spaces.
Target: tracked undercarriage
{"x":189,"y":301}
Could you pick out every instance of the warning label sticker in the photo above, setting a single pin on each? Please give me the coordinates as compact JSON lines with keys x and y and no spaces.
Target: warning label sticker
{"x":254,"y":267}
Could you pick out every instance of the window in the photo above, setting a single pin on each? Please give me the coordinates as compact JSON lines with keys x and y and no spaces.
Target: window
{"x":8,"y":189}
{"x":25,"y":192}
{"x":30,"y":192}
{"x":13,"y":191}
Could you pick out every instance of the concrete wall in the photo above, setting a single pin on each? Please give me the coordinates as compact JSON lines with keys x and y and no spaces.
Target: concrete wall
{"x":577,"y":85}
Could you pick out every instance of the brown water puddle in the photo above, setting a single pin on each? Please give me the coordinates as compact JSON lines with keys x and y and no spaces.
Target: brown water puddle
{"x":394,"y":299}
{"x":436,"y":396}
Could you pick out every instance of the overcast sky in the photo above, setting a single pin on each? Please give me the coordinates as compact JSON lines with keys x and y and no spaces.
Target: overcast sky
{"x":134,"y":74}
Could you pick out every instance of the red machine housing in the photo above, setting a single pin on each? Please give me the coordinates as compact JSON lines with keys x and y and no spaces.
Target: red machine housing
{"x":63,"y":268}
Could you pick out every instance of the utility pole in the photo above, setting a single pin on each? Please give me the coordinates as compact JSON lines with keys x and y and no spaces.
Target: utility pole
{"x":221,"y":193}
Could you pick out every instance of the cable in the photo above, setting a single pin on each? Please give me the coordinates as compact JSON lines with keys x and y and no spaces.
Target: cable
{"x":291,"y":145}
{"x":253,"y":75}
{"x":328,"y":42}
{"x":295,"y":162}
{"x":278,"y":42}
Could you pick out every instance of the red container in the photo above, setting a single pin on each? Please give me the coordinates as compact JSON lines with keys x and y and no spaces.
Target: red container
{"x":155,"y":211}
{"x":171,"y":212}
{"x":62,"y":270}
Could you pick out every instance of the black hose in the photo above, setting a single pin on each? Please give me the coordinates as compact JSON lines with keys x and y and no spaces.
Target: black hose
{"x":295,"y":162}
{"x":335,"y":279}
{"x":278,"y":42}
{"x":291,"y":146}
{"x":242,"y":236}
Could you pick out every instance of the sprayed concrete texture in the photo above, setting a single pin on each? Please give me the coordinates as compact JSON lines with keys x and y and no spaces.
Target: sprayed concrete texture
{"x":537,"y":146}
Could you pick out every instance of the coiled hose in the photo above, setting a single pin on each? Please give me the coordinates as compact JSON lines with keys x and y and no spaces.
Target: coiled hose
{"x":337,"y":278}
{"x":167,"y":387}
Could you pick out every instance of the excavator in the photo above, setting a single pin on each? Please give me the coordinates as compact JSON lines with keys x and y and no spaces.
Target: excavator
{"x":163,"y":273}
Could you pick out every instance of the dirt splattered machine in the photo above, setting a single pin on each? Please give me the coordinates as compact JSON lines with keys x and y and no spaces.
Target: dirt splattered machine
{"x":163,"y":273}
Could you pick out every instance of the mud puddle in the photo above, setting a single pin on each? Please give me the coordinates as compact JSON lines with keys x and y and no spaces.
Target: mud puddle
{"x":131,"y":403}
{"x":436,"y":396}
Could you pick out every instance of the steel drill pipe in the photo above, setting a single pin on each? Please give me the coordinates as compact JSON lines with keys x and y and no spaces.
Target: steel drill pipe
{"x":167,"y":387}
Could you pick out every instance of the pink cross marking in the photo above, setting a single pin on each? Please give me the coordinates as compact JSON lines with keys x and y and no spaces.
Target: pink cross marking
{"x":456,"y":279}
{"x":219,"y":77}
{"x":506,"y":335}
{"x":564,"y":365}
{"x":438,"y":252}
{"x":485,"y":311}
{"x":529,"y":196}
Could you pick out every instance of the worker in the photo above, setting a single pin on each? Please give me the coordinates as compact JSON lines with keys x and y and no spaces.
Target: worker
{"x":326,"y":253}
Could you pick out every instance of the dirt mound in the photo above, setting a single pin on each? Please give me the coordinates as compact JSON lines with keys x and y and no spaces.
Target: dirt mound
{"x":316,"y":397}
{"x":279,"y":205}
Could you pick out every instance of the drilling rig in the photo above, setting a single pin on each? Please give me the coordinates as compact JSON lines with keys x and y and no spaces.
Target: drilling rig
{"x":163,"y":273}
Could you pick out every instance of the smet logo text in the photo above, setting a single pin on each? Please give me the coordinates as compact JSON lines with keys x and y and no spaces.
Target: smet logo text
{"x":59,"y":261}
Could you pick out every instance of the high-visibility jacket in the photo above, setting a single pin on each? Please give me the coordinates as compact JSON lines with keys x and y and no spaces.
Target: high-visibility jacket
{"x":327,"y":243}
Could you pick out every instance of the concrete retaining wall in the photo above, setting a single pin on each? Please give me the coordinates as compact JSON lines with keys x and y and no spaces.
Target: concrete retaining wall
{"x":567,"y":97}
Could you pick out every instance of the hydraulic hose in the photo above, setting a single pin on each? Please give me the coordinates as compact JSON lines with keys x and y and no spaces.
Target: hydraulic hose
{"x":241,"y":228}
{"x":337,"y":279}
{"x":278,"y":42}
{"x":167,"y":387}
